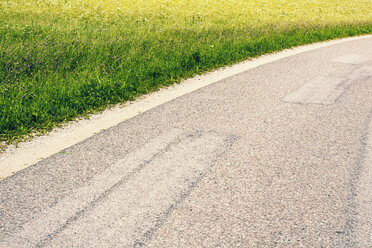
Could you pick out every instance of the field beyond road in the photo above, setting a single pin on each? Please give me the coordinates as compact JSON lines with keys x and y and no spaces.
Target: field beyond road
{"x":60,"y":59}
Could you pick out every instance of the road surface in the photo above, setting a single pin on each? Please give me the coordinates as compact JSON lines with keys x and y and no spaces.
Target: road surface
{"x":276,"y":156}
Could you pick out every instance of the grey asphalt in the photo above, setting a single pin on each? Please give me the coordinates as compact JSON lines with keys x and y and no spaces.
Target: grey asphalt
{"x":277,"y":156}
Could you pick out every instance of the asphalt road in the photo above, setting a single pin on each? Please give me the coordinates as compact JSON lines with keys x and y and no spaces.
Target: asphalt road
{"x":277,"y":156}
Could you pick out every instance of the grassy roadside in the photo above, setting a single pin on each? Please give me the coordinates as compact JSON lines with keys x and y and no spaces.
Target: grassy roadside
{"x":60,"y":59}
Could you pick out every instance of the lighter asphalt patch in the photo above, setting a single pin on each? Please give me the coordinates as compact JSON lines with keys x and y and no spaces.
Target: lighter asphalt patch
{"x":352,"y":59}
{"x":143,"y":187}
{"x":325,"y":90}
{"x":321,"y":90}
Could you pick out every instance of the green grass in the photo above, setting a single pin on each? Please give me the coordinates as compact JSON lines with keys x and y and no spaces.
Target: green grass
{"x":60,"y":59}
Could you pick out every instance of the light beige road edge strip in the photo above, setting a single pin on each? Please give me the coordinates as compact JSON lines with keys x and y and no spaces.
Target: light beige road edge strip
{"x":16,"y":158}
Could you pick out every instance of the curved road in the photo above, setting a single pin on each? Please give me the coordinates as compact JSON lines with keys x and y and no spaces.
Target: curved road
{"x":277,"y":156}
